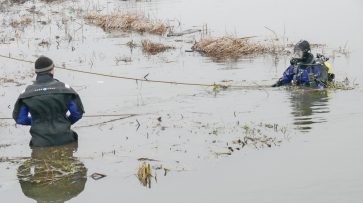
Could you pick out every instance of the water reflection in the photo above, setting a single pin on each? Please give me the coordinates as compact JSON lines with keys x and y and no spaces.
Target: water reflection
{"x":308,"y":107}
{"x":52,"y":174}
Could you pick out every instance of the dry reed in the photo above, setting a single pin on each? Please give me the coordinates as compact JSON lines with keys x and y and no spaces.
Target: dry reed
{"x":127,"y":21}
{"x":228,"y":45}
{"x":232,"y":46}
{"x":152,"y":47}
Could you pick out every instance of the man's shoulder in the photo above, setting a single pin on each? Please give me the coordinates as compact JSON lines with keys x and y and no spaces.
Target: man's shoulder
{"x":54,"y":83}
{"x":59,"y":83}
{"x":55,"y":87}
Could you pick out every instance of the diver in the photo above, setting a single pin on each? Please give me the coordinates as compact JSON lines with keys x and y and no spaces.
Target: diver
{"x":305,"y":70}
{"x":45,"y":104}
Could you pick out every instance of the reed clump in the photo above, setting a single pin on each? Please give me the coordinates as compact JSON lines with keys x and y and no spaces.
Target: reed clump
{"x":127,"y":21}
{"x":229,"y":45}
{"x":235,"y":47}
{"x":153,"y":47}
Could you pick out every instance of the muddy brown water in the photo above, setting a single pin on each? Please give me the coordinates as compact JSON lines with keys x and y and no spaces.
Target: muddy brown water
{"x":316,"y":155}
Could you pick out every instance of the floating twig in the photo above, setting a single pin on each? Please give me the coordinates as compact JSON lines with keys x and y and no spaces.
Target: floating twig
{"x":97,"y":176}
{"x":138,"y":126}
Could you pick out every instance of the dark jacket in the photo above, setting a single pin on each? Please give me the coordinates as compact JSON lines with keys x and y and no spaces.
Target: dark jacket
{"x":48,"y":101}
{"x":302,"y":76}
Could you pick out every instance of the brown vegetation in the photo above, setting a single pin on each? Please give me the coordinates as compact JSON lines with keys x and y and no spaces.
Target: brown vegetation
{"x":25,"y":20}
{"x":127,"y":21}
{"x":232,"y":46}
{"x":228,"y":45}
{"x":152,"y":47}
{"x":44,"y":43}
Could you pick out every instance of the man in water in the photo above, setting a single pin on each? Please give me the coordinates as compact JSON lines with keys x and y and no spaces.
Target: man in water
{"x":303,"y":70}
{"x":45,"y":104}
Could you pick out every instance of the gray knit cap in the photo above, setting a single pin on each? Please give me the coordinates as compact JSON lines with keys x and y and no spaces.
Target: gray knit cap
{"x":43,"y":65}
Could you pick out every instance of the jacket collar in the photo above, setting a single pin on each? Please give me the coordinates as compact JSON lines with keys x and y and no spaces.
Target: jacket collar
{"x":44,"y":78}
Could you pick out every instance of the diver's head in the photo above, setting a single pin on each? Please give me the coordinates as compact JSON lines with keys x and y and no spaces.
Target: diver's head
{"x":301,"y":51}
{"x":44,"y":65}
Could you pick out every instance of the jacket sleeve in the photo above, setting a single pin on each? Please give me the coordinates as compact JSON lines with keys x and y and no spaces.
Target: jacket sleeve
{"x":76,"y":112}
{"x":21,"y":114}
{"x":77,"y":101}
{"x":288,"y":75}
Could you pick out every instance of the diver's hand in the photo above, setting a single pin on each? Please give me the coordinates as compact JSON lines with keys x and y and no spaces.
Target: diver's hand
{"x":293,"y":61}
{"x":278,"y":83}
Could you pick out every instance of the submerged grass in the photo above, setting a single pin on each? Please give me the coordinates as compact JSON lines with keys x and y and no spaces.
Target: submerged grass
{"x":127,"y":21}
{"x":334,"y":86}
{"x":144,"y":174}
{"x":342,"y":85}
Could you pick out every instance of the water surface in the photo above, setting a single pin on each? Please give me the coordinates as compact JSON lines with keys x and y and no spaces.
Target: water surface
{"x":317,"y":160}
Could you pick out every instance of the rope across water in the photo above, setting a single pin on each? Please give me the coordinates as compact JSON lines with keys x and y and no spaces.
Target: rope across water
{"x":97,"y":116}
{"x":137,"y":79}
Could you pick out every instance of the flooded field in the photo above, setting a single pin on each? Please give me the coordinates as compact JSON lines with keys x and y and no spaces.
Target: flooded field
{"x":234,"y":139}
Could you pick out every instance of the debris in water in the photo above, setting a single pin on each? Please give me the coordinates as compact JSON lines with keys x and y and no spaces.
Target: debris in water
{"x":131,"y":44}
{"x":97,"y":176}
{"x":196,"y":50}
{"x":44,"y":43}
{"x":223,"y":153}
{"x":183,"y":32}
{"x":226,"y":80}
{"x":152,"y":47}
{"x":123,"y":58}
{"x":146,"y":159}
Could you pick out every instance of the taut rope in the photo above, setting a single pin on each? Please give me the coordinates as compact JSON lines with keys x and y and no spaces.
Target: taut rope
{"x":136,"y":79}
